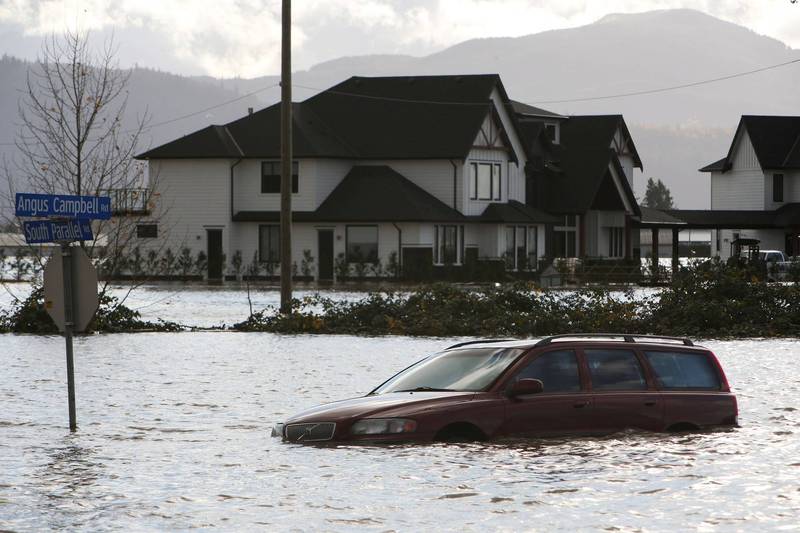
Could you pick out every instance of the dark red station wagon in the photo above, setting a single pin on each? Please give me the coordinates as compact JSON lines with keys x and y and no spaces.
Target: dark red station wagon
{"x":560,"y":385}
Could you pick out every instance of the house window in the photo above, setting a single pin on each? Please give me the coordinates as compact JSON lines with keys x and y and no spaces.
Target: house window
{"x":552,"y":132}
{"x":269,"y":243}
{"x":362,"y":244}
{"x":777,"y":187}
{"x":565,"y":237}
{"x":521,"y":244}
{"x":485,"y":182}
{"x":616,"y":242}
{"x":146,"y":231}
{"x":448,"y":248}
{"x":271,"y":177}
{"x":533,"y":247}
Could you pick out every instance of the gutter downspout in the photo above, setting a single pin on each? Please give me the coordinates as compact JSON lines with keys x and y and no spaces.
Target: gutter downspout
{"x":232,"y":167}
{"x":399,"y":249}
{"x":455,"y":184}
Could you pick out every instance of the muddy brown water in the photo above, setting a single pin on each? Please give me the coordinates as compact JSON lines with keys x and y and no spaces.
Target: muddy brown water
{"x":174,"y":434}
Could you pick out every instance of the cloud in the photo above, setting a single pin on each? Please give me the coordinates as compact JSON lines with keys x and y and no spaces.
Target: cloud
{"x":242,"y":37}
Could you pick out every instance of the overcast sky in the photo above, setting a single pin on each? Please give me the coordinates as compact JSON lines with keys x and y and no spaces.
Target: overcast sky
{"x":227,"y":38}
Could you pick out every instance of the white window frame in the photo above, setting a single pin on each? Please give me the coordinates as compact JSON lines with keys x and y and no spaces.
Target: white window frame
{"x":495,"y":181}
{"x":438,"y":253}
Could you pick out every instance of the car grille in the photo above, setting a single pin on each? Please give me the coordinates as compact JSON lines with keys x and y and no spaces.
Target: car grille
{"x":309,"y":432}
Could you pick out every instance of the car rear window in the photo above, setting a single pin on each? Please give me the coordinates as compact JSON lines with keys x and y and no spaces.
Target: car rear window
{"x":684,"y":370}
{"x":615,"y":370}
{"x":557,"y":370}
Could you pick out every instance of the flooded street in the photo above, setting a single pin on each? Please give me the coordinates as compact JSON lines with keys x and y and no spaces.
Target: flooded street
{"x":174,"y":433}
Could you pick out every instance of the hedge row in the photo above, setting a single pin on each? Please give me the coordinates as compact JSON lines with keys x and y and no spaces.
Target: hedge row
{"x":709,"y":300}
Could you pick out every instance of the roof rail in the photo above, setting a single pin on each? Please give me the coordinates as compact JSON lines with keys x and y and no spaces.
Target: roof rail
{"x":626,"y":337}
{"x":480,"y":341}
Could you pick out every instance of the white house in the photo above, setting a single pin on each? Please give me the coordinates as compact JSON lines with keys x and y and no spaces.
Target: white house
{"x":755,"y":188}
{"x":412,"y":175}
{"x":397,"y":172}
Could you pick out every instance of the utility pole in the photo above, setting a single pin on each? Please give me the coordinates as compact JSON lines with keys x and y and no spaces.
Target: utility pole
{"x":286,"y":157}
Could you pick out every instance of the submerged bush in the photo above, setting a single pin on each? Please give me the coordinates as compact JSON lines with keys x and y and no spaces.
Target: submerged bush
{"x":29,"y":316}
{"x":708,"y":300}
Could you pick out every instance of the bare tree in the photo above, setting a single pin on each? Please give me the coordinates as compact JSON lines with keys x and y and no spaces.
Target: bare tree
{"x":72,"y":140}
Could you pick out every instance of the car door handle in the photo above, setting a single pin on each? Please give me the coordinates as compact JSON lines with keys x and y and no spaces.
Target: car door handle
{"x":650,"y":403}
{"x":580,"y":405}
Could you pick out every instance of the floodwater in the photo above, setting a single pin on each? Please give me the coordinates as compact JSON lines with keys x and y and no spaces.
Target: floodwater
{"x":174,"y":434}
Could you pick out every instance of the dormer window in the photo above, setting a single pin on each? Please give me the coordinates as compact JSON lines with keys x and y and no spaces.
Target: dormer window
{"x":484,"y":183}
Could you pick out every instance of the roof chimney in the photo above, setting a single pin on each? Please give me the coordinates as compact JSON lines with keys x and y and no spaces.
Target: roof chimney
{"x":249,"y":110}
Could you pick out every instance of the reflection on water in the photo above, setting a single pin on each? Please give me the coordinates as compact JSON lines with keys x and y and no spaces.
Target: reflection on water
{"x":174,"y":433}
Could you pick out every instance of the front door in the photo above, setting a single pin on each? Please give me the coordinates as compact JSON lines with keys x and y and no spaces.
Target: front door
{"x":562,"y":408}
{"x":325,"y":254}
{"x":214,"y":252}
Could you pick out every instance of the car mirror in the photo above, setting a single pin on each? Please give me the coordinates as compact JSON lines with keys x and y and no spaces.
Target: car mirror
{"x":525,"y":386}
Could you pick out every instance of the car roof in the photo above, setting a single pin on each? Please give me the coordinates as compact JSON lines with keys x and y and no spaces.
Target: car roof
{"x":594,"y":338}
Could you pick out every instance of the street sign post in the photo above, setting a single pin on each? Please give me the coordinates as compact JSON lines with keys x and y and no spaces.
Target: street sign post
{"x":62,"y":205}
{"x":40,"y":231}
{"x":70,"y":280}
{"x":70,"y":298}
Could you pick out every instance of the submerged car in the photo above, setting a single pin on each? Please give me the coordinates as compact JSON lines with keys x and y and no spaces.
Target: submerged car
{"x":560,"y":385}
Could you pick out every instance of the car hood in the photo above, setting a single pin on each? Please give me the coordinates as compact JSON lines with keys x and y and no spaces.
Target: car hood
{"x":390,"y":404}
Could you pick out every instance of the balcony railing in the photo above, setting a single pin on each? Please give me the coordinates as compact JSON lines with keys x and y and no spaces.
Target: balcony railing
{"x":129,"y":201}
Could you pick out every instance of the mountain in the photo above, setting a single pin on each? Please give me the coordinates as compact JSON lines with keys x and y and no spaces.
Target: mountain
{"x":676,"y":132}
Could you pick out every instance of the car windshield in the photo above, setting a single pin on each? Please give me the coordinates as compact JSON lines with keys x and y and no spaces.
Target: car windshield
{"x":471,"y":369}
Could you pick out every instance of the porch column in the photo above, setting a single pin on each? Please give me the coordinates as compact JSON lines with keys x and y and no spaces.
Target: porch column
{"x":675,"y":262}
{"x":581,"y":236}
{"x":654,"y":246}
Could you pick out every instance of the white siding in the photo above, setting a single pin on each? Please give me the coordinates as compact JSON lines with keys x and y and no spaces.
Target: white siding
{"x":627,"y":165}
{"x":744,"y":155}
{"x":743,"y":186}
{"x":194,"y":195}
{"x":434,"y":176}
{"x":737,"y":189}
{"x":791,"y":188}
{"x":316,"y":179}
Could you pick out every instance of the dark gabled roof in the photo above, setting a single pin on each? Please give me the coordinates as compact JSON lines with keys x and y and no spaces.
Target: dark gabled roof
{"x":786,"y":216}
{"x":209,"y":142}
{"x":651,"y":215}
{"x":585,"y":157}
{"x":724,"y":219}
{"x":380,"y":193}
{"x":721,"y":165}
{"x":521,"y":108}
{"x":514,"y":212}
{"x":409,"y":117}
{"x":370,"y":194}
{"x":775,"y":139}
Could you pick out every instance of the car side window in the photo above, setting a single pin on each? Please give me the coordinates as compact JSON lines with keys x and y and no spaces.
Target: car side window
{"x":557,"y":370}
{"x":684,"y":370}
{"x":615,"y":370}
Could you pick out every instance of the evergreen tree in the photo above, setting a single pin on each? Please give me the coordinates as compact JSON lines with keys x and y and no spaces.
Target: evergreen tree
{"x":657,"y":195}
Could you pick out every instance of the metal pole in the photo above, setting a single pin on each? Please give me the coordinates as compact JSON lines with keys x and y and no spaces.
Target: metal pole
{"x":66,"y":268}
{"x":286,"y":158}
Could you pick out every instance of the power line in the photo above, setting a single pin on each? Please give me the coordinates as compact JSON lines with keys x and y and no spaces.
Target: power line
{"x":182,"y":117}
{"x":671,"y":88}
{"x":444,"y":102}
{"x":561,"y":101}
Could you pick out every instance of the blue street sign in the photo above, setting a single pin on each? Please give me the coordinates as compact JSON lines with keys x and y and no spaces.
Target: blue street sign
{"x":62,"y":205}
{"x":39,"y":231}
